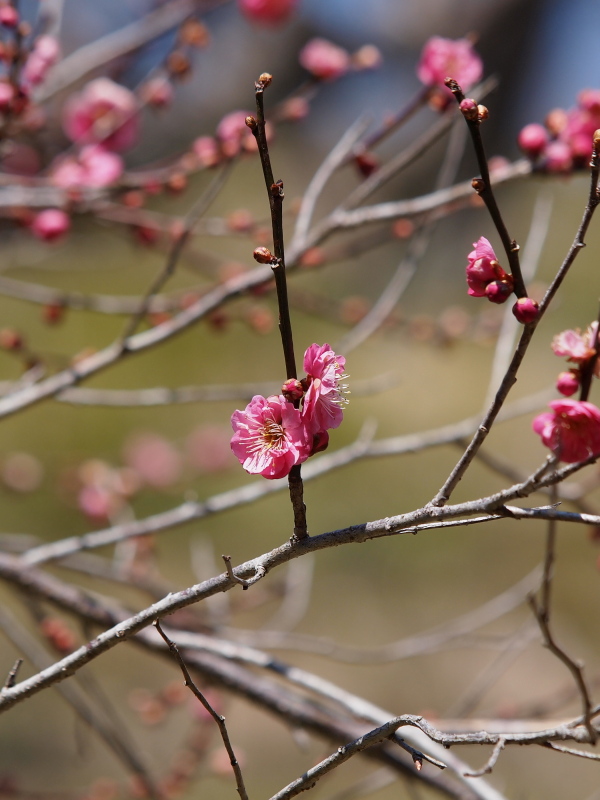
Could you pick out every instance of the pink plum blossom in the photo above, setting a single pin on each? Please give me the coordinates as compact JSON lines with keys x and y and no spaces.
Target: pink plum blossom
{"x":576,"y":346}
{"x":103,"y":113}
{"x":269,"y":437}
{"x":324,"y":60}
{"x":45,"y":54}
{"x":50,"y":225}
{"x":94,"y":167}
{"x":448,"y":58}
{"x":571,"y":430}
{"x":269,"y":12}
{"x":485,"y":276}
{"x":324,"y":398}
{"x":155,"y":460}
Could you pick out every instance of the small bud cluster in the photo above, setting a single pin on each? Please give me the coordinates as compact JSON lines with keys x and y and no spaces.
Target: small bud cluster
{"x":486,"y":278}
{"x":566,"y":139}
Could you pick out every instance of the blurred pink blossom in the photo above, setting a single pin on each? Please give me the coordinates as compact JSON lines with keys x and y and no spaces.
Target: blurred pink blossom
{"x":208,"y":448}
{"x":270,"y":12}
{"x":324,"y":398}
{"x":51,"y":224}
{"x":571,"y":430}
{"x":233,"y":134}
{"x":157,"y":462}
{"x":269,"y":437}
{"x":449,"y":58}
{"x":94,"y":166}
{"x":45,"y":54}
{"x":324,"y":60}
{"x":103,"y":113}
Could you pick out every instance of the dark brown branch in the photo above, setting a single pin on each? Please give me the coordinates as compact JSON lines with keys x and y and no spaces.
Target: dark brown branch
{"x":220,"y":720}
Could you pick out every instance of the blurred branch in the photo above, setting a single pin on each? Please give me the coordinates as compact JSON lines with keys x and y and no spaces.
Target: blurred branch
{"x":98,"y":54}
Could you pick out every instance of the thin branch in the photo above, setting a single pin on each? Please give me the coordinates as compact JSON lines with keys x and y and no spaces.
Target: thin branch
{"x":12,"y":675}
{"x":343,"y":754}
{"x":191,"y":218}
{"x":541,"y":610}
{"x":491,"y":762}
{"x":97,"y":54}
{"x":532,"y":253}
{"x":363,"y":447}
{"x":511,"y":374}
{"x":220,"y":720}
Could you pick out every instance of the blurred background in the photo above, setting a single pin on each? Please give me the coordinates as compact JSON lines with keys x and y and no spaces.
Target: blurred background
{"x":434,"y":351}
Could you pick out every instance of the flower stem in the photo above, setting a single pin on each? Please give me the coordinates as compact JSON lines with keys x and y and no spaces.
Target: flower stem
{"x":276,"y":197}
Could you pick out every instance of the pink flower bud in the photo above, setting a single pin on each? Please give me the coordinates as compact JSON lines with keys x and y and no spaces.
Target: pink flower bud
{"x":567,"y":383}
{"x":50,"y":225}
{"x":292,"y":389}
{"x":589,"y":99}
{"x":526,"y":310}
{"x":324,"y":60}
{"x":9,"y":16}
{"x":268,"y":12}
{"x":206,"y":150}
{"x":498,"y":291}
{"x":557,"y":157}
{"x":469,"y":108}
{"x":158,"y":92}
{"x":533,"y":139}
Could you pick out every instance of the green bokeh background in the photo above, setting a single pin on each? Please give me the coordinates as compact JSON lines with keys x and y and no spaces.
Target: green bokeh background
{"x":362,"y":595}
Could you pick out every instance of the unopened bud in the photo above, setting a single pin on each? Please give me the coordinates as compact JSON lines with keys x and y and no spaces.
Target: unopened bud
{"x":320,"y":442}
{"x":567,"y":383}
{"x":482,"y":112}
{"x":469,"y":109}
{"x":596,"y":138}
{"x":292,"y":389}
{"x":265,"y":78}
{"x":526,"y":310}
{"x":251,"y":122}
{"x":478,"y":184}
{"x":263,"y":255}
{"x":498,"y":291}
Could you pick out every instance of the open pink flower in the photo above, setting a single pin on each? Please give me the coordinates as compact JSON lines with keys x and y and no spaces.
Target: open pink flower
{"x":103,"y":113}
{"x":574,"y":345}
{"x":324,"y":398}
{"x":269,"y":437}
{"x":571,"y":430}
{"x":448,"y":58}
{"x":485,"y":276}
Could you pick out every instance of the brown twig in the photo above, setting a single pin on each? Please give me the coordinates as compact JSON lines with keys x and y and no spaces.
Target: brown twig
{"x":541,"y":610}
{"x":218,"y":718}
{"x":276,"y":195}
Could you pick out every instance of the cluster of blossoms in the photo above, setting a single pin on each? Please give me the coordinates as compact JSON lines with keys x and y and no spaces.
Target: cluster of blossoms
{"x":580,"y":349}
{"x":564,"y":142}
{"x":572,"y":429}
{"x":486,"y":278}
{"x":449,"y":58}
{"x":275,"y":433}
